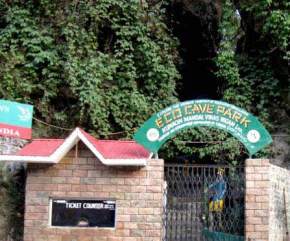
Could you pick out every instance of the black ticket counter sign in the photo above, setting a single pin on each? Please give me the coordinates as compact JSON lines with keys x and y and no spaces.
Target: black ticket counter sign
{"x":83,"y":213}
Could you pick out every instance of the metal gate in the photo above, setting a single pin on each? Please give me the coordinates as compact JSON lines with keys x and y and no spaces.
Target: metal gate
{"x":190,"y":210}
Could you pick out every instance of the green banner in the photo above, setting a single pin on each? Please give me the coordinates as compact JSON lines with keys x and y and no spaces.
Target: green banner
{"x":217,"y":114}
{"x":15,"y":119}
{"x":16,"y":114}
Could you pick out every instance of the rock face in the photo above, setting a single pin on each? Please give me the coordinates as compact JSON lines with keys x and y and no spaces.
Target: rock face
{"x":10,"y":145}
{"x":281,"y":149}
{"x":195,"y":24}
{"x":12,"y":175}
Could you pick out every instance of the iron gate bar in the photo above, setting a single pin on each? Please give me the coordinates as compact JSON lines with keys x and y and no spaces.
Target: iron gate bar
{"x":186,"y":209}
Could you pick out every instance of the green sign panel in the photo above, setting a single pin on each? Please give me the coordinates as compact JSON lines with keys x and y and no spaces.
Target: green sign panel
{"x":15,"y":119}
{"x":168,"y":122}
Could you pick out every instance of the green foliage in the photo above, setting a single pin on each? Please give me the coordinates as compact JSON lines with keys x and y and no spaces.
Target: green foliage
{"x":274,"y":21}
{"x":205,"y":145}
{"x":229,"y":27}
{"x":105,"y":66}
{"x":277,"y":25}
{"x":211,"y":145}
{"x":250,"y":78}
{"x":252,"y":74}
{"x":108,"y":65}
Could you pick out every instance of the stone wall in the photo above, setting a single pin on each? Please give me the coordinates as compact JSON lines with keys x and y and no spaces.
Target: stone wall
{"x":138,"y":191}
{"x":265,"y":207}
{"x":279,"y":203}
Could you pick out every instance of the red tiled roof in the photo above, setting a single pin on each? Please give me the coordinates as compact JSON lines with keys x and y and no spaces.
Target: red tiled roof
{"x":109,"y":152}
{"x":109,"y":149}
{"x":117,"y":149}
{"x":40,"y":147}
{"x":121,"y":149}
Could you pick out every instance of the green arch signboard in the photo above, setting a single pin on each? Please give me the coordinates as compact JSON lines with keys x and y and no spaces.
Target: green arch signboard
{"x":211,"y":113}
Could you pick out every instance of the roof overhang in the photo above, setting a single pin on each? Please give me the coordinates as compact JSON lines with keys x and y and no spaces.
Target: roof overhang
{"x":67,"y":145}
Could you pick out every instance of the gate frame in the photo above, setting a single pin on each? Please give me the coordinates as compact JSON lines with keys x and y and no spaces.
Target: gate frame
{"x":259,"y":223}
{"x":210,"y":168}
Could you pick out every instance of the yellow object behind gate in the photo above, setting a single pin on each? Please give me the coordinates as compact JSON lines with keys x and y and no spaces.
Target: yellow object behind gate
{"x":216,"y":206}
